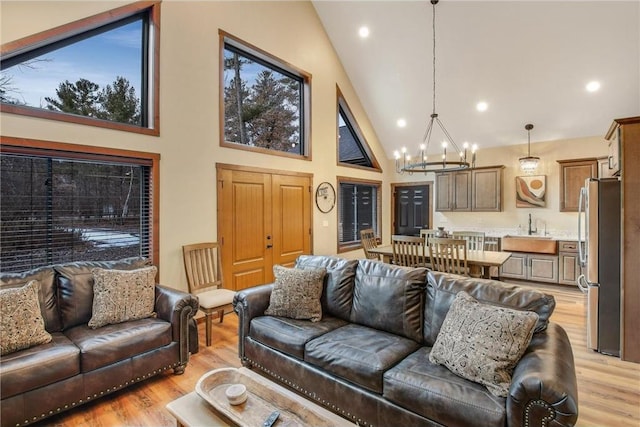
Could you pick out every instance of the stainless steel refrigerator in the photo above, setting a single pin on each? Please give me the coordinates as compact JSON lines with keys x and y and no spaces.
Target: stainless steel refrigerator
{"x":599,"y":252}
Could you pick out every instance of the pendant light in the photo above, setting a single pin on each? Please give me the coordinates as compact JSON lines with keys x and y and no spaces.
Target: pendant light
{"x":529,"y":164}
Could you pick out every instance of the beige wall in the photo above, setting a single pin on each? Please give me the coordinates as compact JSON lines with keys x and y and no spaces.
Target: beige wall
{"x":189,"y":142}
{"x":558,"y":223}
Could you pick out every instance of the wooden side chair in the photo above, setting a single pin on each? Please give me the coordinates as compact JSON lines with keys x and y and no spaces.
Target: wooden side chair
{"x":448,"y":255}
{"x":475,"y":239}
{"x":203,"y":265}
{"x":408,"y":251}
{"x":369,"y":241}
{"x":427,"y":233}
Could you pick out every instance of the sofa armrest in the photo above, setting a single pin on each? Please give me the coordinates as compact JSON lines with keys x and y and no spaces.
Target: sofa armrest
{"x":178,"y":308}
{"x":544,"y":384}
{"x":250,"y":303}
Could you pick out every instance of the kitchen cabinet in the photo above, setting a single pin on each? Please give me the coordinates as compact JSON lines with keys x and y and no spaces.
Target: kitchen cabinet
{"x":478,"y":189}
{"x":486,"y":193}
{"x":530,"y":266}
{"x":453,"y":190}
{"x":613,"y":142}
{"x":627,"y":132}
{"x":568,"y":262}
{"x":603,"y":168}
{"x":573,"y":173}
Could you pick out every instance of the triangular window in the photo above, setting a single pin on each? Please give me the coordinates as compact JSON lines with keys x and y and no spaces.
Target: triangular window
{"x":353,"y":149}
{"x":96,"y":71}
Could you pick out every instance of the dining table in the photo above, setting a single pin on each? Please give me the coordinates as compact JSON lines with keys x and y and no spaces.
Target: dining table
{"x":479,"y":262}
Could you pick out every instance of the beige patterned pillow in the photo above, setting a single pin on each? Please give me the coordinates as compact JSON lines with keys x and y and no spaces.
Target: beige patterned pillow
{"x":21,"y":323}
{"x":296,"y":293}
{"x":482,"y":342}
{"x":122,"y":295}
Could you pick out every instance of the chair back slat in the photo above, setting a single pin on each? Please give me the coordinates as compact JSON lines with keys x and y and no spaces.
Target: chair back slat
{"x":448,"y":255}
{"x":408,"y":251}
{"x":475,"y":239}
{"x":202,"y":263}
{"x":369,"y":241}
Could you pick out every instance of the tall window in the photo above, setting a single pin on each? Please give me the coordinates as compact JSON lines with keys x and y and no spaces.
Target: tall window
{"x":264,"y":101}
{"x":359,"y":207}
{"x":97,"y":71}
{"x":58,"y":207}
{"x":353,"y":149}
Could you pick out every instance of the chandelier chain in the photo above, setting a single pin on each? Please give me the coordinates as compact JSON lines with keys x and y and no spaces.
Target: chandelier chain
{"x":433,"y":5}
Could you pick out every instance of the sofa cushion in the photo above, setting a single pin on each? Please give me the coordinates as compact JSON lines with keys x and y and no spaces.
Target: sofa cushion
{"x":39,"y":366}
{"x":111,"y":343}
{"x":358,"y":354}
{"x":483,"y":342}
{"x":390,"y":298}
{"x":75,"y":287}
{"x":21,"y":322}
{"x":337,"y":292}
{"x":296,"y":293}
{"x":290,"y":335}
{"x":122,"y":295}
{"x":443,"y":288}
{"x":438,"y":394}
{"x":48,"y":293}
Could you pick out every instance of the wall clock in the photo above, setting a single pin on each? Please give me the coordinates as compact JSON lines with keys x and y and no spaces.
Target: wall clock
{"x":325,"y":197}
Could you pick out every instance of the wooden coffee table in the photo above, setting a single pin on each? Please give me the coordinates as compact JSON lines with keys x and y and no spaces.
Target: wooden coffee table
{"x":208,"y":404}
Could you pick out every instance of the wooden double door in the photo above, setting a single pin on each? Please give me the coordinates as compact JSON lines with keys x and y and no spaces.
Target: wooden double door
{"x":264,"y":218}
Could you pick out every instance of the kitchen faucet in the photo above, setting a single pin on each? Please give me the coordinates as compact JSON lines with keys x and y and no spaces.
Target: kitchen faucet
{"x":531,"y":230}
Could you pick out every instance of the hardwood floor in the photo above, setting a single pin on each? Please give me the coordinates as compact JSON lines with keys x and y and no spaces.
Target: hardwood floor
{"x":608,"y":389}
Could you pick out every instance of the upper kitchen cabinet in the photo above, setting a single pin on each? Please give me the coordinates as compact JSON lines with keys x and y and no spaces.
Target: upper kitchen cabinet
{"x":478,"y":189}
{"x":486,"y":195}
{"x":613,"y":140}
{"x":573,"y":173}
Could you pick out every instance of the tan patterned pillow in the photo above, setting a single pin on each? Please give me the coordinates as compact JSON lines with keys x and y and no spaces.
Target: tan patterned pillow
{"x":482,"y":342}
{"x":296,"y":293}
{"x":21,"y":323}
{"x":122,"y":295}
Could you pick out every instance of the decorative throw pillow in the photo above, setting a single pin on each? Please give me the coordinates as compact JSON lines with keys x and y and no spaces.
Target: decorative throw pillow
{"x":483,"y":343}
{"x":21,"y":323}
{"x":296,"y":293}
{"x":122,"y":295}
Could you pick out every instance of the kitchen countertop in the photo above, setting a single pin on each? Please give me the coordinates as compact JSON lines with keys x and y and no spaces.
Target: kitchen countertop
{"x":553,"y":234}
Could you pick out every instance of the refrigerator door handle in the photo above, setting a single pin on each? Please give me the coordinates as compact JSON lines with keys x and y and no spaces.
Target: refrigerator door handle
{"x":582,"y":283}
{"x":581,"y":252}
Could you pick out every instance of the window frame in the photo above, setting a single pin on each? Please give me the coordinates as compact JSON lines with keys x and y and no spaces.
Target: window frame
{"x":276,"y":63}
{"x":26,"y":146}
{"x":54,"y":35}
{"x":354,"y":245}
{"x":351,"y":122}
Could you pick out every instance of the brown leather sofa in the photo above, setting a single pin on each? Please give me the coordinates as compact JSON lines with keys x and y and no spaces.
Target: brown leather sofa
{"x":368,"y":358}
{"x":82,"y":364}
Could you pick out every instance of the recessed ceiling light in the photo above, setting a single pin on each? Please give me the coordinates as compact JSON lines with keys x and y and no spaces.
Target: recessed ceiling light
{"x":593,"y":86}
{"x":482,"y":106}
{"x":364,"y":32}
{"x":401,"y":123}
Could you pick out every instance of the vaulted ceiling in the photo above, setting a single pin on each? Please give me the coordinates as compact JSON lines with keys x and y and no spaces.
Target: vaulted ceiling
{"x":530,"y":61}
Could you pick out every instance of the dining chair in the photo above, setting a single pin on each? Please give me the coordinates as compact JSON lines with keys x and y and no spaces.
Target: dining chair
{"x":474,"y":239}
{"x":448,"y":255}
{"x":427,"y":233}
{"x":408,"y":251}
{"x":369,"y":241}
{"x":203,"y":265}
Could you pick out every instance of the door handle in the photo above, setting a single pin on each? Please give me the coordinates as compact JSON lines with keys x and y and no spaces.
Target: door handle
{"x":269,"y":245}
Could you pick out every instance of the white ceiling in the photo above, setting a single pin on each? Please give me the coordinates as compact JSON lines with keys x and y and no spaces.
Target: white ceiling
{"x":529,"y":60}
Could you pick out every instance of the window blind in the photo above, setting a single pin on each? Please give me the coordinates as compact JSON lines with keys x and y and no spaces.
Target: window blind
{"x":57,"y":209}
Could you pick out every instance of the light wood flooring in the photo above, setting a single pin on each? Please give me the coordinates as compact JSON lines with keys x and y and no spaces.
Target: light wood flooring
{"x":608,"y":388}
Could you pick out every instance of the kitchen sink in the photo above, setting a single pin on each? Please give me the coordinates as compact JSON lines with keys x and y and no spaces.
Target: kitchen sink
{"x":532,"y":244}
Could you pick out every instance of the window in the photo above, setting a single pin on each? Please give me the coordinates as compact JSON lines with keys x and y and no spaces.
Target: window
{"x":98,"y":71}
{"x":359,"y":207}
{"x":60,"y":206}
{"x":353,"y":149}
{"x":264,"y":101}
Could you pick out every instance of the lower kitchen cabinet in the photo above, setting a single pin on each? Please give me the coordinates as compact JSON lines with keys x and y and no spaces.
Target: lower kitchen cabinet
{"x":535,"y":267}
{"x":569,"y":263}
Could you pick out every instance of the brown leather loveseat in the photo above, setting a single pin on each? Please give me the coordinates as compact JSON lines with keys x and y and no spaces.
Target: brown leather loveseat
{"x":367,"y":359}
{"x":81,"y":364}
